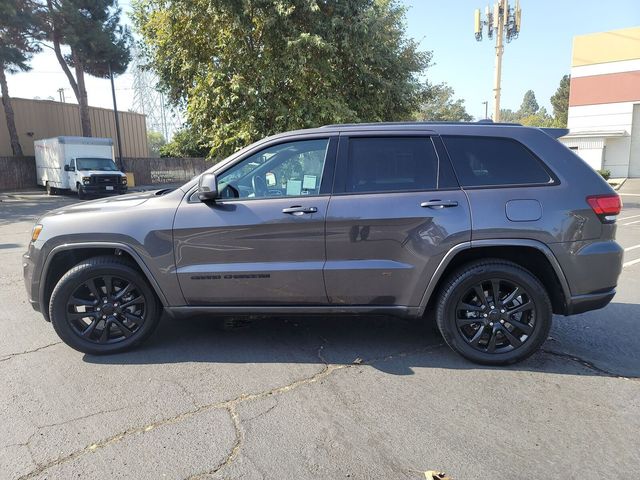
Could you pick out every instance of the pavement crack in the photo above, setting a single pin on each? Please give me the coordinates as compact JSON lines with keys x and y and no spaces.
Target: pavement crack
{"x":586,"y":363}
{"x":26,"y":352}
{"x":229,"y":405}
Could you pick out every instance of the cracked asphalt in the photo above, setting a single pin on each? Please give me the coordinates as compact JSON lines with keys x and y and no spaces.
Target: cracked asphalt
{"x":314,"y":398}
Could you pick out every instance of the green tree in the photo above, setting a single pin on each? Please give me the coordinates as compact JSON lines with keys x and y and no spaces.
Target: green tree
{"x":185,"y":143}
{"x":560,"y":102}
{"x":539,"y":119}
{"x":509,"y":116}
{"x":529,"y":104}
{"x":252,"y":68}
{"x":441,"y":106}
{"x":155,"y":141}
{"x":19,"y":34}
{"x":97,"y":41}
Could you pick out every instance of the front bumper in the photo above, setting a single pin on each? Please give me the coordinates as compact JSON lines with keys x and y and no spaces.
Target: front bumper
{"x":28,"y":272}
{"x":102,"y":189}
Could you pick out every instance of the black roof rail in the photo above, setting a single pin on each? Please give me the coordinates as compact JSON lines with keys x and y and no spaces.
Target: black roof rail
{"x":486,"y":121}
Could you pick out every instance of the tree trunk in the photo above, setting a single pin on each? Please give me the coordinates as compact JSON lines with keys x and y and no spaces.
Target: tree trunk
{"x":8,"y":112}
{"x":83,"y":102}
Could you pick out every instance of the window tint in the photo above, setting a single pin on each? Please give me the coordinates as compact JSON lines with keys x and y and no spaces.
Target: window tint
{"x":480,"y":161}
{"x":286,"y":169}
{"x":378,"y":164}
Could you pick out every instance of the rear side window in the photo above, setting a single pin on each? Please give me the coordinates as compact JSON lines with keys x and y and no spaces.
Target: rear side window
{"x":483,"y":161}
{"x":379,"y":164}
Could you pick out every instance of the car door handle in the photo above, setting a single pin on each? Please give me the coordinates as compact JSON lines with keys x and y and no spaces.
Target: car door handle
{"x":439,"y":204}
{"x":298,"y":210}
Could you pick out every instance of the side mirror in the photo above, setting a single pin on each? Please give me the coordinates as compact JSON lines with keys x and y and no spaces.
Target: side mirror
{"x":207,"y":187}
{"x":69,"y":168}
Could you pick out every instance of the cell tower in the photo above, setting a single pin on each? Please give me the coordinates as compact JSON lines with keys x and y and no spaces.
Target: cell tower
{"x":504,"y":21}
{"x":148,"y":100}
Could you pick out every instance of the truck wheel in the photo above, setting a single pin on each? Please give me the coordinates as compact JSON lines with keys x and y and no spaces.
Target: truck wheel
{"x":81,"y":194}
{"x":494,"y":312}
{"x":50,"y":190}
{"x":103,"y":305}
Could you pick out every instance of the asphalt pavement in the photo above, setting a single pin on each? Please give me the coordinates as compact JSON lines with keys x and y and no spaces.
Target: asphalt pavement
{"x":322,"y":398}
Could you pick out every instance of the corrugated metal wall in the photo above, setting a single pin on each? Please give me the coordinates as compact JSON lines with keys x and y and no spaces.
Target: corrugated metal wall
{"x":37,"y":119}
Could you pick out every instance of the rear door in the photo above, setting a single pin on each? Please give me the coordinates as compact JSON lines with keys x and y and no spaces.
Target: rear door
{"x":395,"y":212}
{"x":263,"y":242}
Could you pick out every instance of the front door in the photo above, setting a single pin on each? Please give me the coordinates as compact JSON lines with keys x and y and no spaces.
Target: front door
{"x":262,"y":243}
{"x":396,"y":211}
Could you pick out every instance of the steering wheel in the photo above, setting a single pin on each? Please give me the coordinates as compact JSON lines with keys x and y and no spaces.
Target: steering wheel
{"x":259,"y":185}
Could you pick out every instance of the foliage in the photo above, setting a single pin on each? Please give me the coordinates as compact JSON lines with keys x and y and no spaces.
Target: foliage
{"x":253,"y":68}
{"x":97,"y":41}
{"x":155,"y":140}
{"x":529,"y":105}
{"x":606,"y":174}
{"x":560,"y":102}
{"x":20,"y":31}
{"x":538,"y":119}
{"x":184,"y":144}
{"x":440,"y":106}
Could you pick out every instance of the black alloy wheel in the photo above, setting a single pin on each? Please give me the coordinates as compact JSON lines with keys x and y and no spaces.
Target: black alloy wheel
{"x":494,"y":312}
{"x":103,"y":305}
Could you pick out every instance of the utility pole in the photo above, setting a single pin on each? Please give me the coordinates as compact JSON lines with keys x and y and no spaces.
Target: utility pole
{"x":505,"y":22}
{"x":486,"y":109}
{"x":115,"y":112}
{"x":61,"y":93}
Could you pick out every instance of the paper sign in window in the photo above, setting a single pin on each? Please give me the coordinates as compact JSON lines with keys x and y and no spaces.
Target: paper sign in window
{"x":309,"y":182}
{"x":294,"y":187}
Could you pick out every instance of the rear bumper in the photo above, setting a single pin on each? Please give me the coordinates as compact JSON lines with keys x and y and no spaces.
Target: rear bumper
{"x":592,"y":301}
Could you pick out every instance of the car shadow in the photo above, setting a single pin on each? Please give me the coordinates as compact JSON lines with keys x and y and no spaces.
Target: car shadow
{"x":390,"y":345}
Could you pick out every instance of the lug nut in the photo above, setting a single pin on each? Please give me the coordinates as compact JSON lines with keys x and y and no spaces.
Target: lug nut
{"x":502,"y":311}
{"x":491,"y":324}
{"x":502,"y":321}
{"x":104,"y":317}
{"x":485,"y":315}
{"x":98,"y":309}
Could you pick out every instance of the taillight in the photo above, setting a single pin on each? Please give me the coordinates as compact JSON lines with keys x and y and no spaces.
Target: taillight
{"x":605,"y":206}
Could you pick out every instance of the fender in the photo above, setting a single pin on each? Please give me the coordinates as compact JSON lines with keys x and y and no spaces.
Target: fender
{"x":497,"y":242}
{"x":111,"y":245}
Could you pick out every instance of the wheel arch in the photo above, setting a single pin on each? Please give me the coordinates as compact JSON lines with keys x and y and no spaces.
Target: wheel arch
{"x":63,"y":257}
{"x":530,"y":254}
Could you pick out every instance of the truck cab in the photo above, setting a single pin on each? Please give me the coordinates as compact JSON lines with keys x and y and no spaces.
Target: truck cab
{"x":95,"y":176}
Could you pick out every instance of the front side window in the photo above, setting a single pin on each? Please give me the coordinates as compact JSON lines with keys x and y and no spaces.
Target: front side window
{"x":484,"y":161}
{"x":287,"y":169}
{"x":382,"y":164}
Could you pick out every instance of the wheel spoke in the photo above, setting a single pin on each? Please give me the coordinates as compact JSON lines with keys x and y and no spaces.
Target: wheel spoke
{"x":108,"y":285}
{"x":495,"y":287}
{"x":478,"y":335}
{"x":105,"y":333}
{"x":79,"y":315}
{"x":133,"y":318}
{"x":521,"y":308}
{"x":513,"y":340}
{"x":124,"y":330}
{"x":91,"y":285}
{"x":525,"y":327}
{"x":121,"y":293}
{"x":481,"y":296}
{"x":463,"y":321}
{"x":136,"y":301}
{"x":511,"y":297}
{"x":469,"y":307}
{"x":90,"y":329}
{"x":491,"y":347}
{"x":81,"y":301}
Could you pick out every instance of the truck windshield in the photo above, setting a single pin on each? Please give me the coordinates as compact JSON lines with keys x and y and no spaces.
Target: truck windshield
{"x":104,"y":164}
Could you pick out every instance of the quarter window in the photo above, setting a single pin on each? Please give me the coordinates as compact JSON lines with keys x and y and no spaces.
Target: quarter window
{"x":379,"y":164}
{"x":484,"y":161}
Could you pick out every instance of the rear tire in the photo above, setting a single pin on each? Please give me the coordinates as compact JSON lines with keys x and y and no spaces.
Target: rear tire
{"x":50,"y":190}
{"x":103,"y":305}
{"x":494,"y":328}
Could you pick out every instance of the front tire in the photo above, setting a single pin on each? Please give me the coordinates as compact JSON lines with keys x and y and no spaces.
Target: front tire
{"x":494,"y":312}
{"x":81,"y":193}
{"x":103,"y":305}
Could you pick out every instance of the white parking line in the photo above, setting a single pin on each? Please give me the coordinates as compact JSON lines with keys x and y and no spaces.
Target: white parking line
{"x":630,"y":194}
{"x":628,"y":249}
{"x":628,"y":218}
{"x":632,"y":262}
{"x":630,"y":223}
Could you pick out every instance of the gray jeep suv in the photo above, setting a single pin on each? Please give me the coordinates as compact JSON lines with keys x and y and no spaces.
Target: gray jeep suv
{"x":488,"y":228}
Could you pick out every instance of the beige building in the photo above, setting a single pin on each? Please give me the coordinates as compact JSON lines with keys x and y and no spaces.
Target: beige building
{"x":37,"y":119}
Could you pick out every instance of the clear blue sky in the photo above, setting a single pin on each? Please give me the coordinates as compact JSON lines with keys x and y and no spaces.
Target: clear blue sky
{"x":536,"y":60}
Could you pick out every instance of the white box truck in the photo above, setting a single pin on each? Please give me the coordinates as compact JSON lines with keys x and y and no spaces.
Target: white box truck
{"x":79,"y":164}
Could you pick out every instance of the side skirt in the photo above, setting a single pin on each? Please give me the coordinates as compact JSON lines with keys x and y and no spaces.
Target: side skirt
{"x":395,"y":311}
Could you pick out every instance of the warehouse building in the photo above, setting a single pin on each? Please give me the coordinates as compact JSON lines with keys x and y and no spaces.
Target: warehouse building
{"x":604,"y":101}
{"x":37,"y":119}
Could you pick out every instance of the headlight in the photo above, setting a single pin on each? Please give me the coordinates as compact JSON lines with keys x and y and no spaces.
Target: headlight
{"x":86,"y":180}
{"x":124,"y":180}
{"x":35,"y":233}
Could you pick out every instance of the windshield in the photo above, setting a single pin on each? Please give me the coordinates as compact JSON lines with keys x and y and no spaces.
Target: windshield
{"x":103,"y":164}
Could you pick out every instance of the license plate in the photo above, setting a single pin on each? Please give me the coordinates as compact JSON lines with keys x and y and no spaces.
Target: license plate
{"x":109,"y":187}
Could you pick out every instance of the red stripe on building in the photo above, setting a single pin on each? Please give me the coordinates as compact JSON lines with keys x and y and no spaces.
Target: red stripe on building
{"x":608,"y":88}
